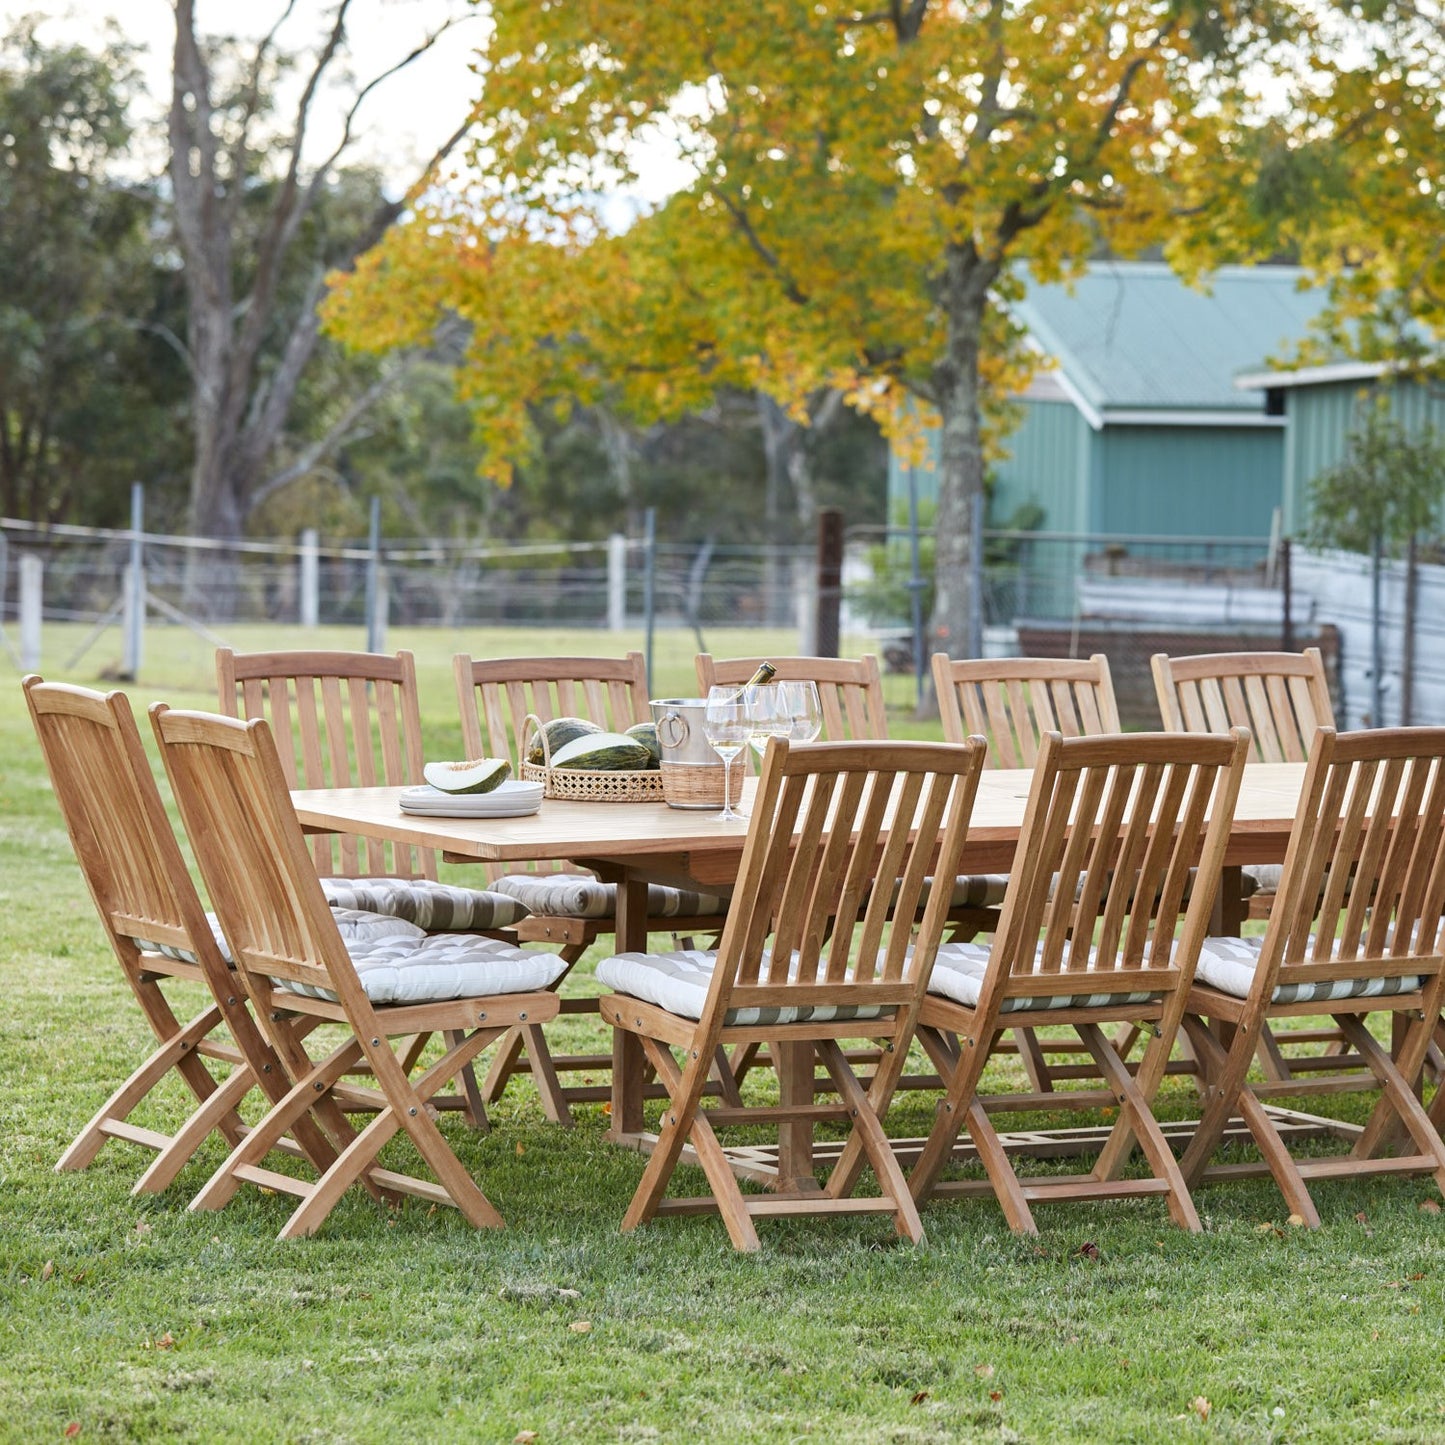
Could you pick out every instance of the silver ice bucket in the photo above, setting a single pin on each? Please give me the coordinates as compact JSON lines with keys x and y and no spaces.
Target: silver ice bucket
{"x":692,"y":773}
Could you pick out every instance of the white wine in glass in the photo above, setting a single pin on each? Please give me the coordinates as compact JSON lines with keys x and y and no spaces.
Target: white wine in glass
{"x":802,"y":709}
{"x":767,"y":717}
{"x":726,"y":725}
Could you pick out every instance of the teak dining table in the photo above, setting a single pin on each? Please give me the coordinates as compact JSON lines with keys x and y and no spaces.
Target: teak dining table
{"x":634,"y":844}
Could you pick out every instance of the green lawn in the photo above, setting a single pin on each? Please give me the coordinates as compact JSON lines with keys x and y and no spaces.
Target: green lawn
{"x":134,"y":1320}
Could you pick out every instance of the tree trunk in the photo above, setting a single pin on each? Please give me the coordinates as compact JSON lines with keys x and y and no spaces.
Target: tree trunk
{"x":956,"y":628}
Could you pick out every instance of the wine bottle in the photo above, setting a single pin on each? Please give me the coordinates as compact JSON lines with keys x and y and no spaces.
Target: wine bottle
{"x":763,"y":675}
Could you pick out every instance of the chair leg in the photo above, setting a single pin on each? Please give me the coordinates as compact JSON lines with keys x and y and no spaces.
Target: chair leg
{"x":938,"y":1147}
{"x":1276,"y":1154}
{"x":1136,"y":1118}
{"x":544,"y":1075}
{"x":475,"y":1110}
{"x":868,"y":1130}
{"x":1222,"y":1082}
{"x":174,"y":1052}
{"x":192,"y":1134}
{"x":1031,"y":1056}
{"x":999,"y":1168}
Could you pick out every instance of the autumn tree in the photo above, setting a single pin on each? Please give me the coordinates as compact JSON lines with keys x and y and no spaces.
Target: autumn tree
{"x":247,"y":352}
{"x":863,"y":181}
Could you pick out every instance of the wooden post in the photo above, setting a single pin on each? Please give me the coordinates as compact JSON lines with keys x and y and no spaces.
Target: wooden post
{"x":616,"y":582}
{"x":830,"y":580}
{"x":32,"y":572}
{"x":1407,"y":642}
{"x":1286,"y":637}
{"x":310,"y":579}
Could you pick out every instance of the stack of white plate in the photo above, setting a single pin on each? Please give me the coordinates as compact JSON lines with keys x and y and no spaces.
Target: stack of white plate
{"x":511,"y":799}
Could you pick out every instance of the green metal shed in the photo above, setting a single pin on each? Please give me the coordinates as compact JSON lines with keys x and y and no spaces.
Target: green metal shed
{"x":1137,"y":426}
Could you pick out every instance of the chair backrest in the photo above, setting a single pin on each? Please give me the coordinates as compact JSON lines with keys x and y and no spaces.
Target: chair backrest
{"x":340,"y":720}
{"x":118,"y":827}
{"x":233,"y":794}
{"x":851,"y":690}
{"x":495,"y":695}
{"x":1013,"y":701}
{"x":1362,"y":891}
{"x":1121,"y":837}
{"x":1281,"y":697}
{"x":841,"y":839}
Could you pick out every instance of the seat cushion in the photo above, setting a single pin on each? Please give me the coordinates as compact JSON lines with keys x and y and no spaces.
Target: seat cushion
{"x":678,"y":982}
{"x":433,"y":907}
{"x":354,"y":925}
{"x":1228,"y":964}
{"x":401,"y":970}
{"x":958,"y":974}
{"x":580,"y":895}
{"x":970,"y":890}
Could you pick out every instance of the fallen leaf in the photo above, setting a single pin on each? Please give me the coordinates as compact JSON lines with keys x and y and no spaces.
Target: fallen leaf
{"x":142,"y":1228}
{"x":72,"y":1430}
{"x":521,"y":1149}
{"x":1200,"y":1406}
{"x":1362,"y":1218}
{"x":524,"y":1437}
{"x":1421,"y":1275}
{"x":995,"y":1395}
{"x":47,"y":1269}
{"x":1296,"y":1221}
{"x":1088,"y":1250}
{"x":1428,"y":1206}
{"x":607,"y":1109}
{"x":1264,"y":1228}
{"x":919,"y":1397}
{"x":580,"y":1327}
{"x":984,"y":1372}
{"x":166,"y":1342}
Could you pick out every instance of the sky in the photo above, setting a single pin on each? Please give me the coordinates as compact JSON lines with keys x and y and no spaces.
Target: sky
{"x":402,"y":122}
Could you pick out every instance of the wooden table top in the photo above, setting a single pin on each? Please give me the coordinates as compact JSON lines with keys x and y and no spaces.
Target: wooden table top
{"x":623,"y":831}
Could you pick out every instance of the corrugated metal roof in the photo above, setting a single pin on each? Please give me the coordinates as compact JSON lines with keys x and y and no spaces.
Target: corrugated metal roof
{"x":1131,"y":334}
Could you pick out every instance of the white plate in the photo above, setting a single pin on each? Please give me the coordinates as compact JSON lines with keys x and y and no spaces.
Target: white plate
{"x":512,"y":799}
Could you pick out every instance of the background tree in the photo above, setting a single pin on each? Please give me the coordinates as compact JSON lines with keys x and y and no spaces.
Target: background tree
{"x":1385,"y":494}
{"x":86,"y":378}
{"x":864,"y":179}
{"x":248,"y":351}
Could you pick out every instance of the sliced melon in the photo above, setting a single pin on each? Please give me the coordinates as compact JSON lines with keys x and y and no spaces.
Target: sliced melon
{"x":646,"y":734}
{"x":603,"y":752}
{"x":560,"y":731}
{"x":480,"y":775}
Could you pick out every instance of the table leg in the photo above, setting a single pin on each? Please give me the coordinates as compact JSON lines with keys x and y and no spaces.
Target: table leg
{"x":627,"y":1057}
{"x":795,"y":1064}
{"x":1230,"y":906}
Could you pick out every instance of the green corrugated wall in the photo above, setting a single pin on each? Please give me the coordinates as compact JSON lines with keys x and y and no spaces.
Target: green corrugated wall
{"x":1186,"y":481}
{"x":1320,"y":419}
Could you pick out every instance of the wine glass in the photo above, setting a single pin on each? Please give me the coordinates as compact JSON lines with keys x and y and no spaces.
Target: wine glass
{"x":726,"y":725}
{"x":767,"y":715}
{"x":800,"y":705}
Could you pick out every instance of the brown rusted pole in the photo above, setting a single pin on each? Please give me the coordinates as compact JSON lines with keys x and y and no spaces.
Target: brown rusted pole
{"x":830,"y":580}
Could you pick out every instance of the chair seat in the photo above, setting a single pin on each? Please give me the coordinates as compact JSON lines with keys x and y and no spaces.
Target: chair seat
{"x":1228,"y":964}
{"x":958,"y":973}
{"x":986,"y":890}
{"x":354,"y":924}
{"x":430,"y":968}
{"x":433,"y":907}
{"x":580,"y":895}
{"x":678,"y":982}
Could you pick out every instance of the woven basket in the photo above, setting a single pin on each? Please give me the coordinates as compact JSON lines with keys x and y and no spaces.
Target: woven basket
{"x":696,"y":785}
{"x":588,"y":785}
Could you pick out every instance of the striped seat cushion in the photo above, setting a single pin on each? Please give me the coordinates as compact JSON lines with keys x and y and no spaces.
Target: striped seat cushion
{"x":958,"y":974}
{"x":678,"y":982}
{"x":429,"y":968}
{"x":986,"y":890}
{"x":580,"y":895}
{"x":354,"y":925}
{"x":433,"y":907}
{"x":1228,"y":964}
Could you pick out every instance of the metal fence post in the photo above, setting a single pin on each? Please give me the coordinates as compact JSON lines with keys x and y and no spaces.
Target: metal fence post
{"x":830,"y":580}
{"x":649,"y":582}
{"x":134,"y":612}
{"x":375,"y":594}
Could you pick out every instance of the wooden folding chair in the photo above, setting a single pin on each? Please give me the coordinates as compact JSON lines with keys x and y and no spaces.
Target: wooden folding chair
{"x":813,"y":952}
{"x":232,"y":791}
{"x":1283,"y":698}
{"x":159,"y":932}
{"x":565,"y":908}
{"x":850,"y":691}
{"x":1355,"y":930}
{"x":1075,"y":947}
{"x":1013,"y":702}
{"x":353,"y":719}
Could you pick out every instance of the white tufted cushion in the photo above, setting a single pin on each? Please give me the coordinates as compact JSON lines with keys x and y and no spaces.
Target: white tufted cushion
{"x":433,"y":907}
{"x":958,"y":974}
{"x":441,"y":966}
{"x":352,"y":923}
{"x":1228,"y":964}
{"x":679,"y":982}
{"x":580,"y":895}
